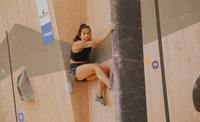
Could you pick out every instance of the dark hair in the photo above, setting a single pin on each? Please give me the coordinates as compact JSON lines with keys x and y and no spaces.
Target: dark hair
{"x":83,"y":26}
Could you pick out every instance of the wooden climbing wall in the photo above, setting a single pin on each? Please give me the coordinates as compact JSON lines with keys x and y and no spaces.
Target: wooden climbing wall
{"x":52,"y":100}
{"x":99,"y":18}
{"x":179,"y":28}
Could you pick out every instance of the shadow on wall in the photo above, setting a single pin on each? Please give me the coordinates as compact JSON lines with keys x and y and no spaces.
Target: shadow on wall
{"x":28,"y":50}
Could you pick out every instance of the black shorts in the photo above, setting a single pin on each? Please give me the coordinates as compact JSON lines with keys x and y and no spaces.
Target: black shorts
{"x":72,"y":72}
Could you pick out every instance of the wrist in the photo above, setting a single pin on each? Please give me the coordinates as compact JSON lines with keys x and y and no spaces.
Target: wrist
{"x":109,"y":31}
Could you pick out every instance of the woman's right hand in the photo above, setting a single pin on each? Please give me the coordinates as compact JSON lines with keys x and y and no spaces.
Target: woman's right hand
{"x":112,"y":26}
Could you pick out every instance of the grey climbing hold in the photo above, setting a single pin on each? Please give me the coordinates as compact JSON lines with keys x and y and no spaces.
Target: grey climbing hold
{"x":111,"y":82}
{"x":24,"y":87}
{"x":71,"y":88}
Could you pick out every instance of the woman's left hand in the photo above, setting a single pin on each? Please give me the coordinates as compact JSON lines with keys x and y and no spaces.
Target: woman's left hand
{"x":112,"y":26}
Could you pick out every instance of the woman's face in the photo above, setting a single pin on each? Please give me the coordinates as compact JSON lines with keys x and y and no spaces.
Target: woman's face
{"x":85,"y":35}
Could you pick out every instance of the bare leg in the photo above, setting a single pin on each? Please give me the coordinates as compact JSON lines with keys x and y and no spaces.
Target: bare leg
{"x":101,"y":84}
{"x":100,"y":89}
{"x":89,"y":70}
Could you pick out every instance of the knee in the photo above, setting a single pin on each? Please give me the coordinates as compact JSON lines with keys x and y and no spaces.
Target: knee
{"x":104,"y":68}
{"x":96,"y":65}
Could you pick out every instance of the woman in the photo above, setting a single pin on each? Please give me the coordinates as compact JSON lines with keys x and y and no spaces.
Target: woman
{"x":80,"y":69}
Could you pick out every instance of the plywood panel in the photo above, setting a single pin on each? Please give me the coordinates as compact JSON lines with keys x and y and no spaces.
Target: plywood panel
{"x":80,"y":100}
{"x":6,"y":7}
{"x":24,"y":13}
{"x":2,"y":29}
{"x":7,"y":109}
{"x":31,"y":15}
{"x":153,"y":84}
{"x":98,"y":112}
{"x":69,"y":16}
{"x":181,"y":55}
{"x":98,"y":16}
{"x":18,"y":12}
{"x":52,"y":101}
{"x":53,"y":19}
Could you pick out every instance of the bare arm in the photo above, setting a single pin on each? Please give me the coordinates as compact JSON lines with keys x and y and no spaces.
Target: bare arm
{"x":79,"y":45}
{"x":105,"y":36}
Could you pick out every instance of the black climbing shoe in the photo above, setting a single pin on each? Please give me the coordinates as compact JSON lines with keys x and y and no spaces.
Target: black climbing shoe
{"x":100,"y":99}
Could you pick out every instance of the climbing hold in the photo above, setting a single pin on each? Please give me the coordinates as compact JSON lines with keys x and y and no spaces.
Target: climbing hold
{"x":71,"y":88}
{"x":111,"y":82}
{"x":196,"y":95}
{"x":155,"y":64}
{"x":24,"y":87}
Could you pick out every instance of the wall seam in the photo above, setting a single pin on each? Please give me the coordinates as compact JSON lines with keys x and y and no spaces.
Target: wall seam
{"x":61,"y":59}
{"x":162,"y":61}
{"x":11,"y":74}
{"x":56,"y":28}
{"x":3,"y":25}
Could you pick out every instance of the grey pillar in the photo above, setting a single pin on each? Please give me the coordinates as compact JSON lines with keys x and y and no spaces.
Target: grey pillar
{"x":128,"y":67}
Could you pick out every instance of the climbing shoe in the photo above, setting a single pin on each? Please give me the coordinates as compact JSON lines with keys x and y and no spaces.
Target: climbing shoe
{"x":100,"y":99}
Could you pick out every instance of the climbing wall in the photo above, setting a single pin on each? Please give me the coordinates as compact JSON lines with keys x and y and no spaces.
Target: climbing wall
{"x":101,"y":54}
{"x":44,"y":66}
{"x":170,"y":35}
{"x":97,"y":15}
{"x":170,"y":90}
{"x":6,"y":103}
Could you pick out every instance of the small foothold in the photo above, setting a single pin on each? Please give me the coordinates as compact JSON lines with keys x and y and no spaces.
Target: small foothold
{"x":155,"y":64}
{"x":71,"y":88}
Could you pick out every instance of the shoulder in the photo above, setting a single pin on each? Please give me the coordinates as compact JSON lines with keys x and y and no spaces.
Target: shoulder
{"x":76,"y":47}
{"x":77,"y":44}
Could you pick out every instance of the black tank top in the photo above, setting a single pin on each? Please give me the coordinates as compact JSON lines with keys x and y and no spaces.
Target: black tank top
{"x":81,"y":56}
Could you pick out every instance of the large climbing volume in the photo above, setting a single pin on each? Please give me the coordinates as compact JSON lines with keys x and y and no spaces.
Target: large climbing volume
{"x":196,"y":95}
